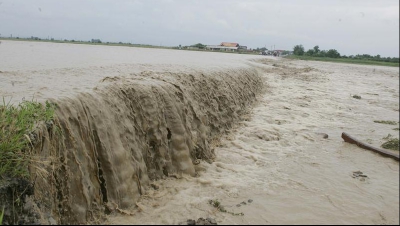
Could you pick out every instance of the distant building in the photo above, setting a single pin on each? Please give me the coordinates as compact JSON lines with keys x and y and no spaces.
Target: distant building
{"x":96,"y":41}
{"x":225,"y":46}
{"x":228,"y":47}
{"x":230,"y":44}
{"x":221,"y":48}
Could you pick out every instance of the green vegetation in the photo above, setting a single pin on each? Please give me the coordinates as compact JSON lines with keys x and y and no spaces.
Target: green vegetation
{"x":386,"y":122}
{"x":298,"y":50}
{"x":333,"y":55}
{"x":356,"y":97}
{"x":344,"y":60}
{"x":396,"y":129}
{"x":392,"y":144}
{"x":217,"y":204}
{"x":199,"y":45}
{"x":1,"y":216}
{"x":17,"y":124}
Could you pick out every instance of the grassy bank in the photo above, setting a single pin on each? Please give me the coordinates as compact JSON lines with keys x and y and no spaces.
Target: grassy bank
{"x":344,"y":60}
{"x":16,"y":126}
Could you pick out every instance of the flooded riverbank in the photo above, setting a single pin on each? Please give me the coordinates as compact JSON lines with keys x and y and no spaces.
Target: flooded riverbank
{"x":143,"y":132}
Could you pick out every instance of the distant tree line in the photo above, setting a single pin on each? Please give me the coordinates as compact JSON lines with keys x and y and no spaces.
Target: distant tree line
{"x":333,"y":53}
{"x":199,"y":45}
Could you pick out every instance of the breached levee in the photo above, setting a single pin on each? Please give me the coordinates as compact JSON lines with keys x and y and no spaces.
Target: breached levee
{"x":107,"y":145}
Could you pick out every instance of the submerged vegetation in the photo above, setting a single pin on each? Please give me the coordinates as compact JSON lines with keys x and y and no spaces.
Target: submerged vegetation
{"x":392,"y":144}
{"x":17,"y":124}
{"x":386,"y":122}
{"x":217,"y":204}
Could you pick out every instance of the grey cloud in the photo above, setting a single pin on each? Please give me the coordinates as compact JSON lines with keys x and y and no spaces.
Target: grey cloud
{"x":351,"y":27}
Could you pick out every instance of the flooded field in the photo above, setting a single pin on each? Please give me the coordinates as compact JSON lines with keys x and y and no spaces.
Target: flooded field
{"x":277,"y":160}
{"x":278,"y":167}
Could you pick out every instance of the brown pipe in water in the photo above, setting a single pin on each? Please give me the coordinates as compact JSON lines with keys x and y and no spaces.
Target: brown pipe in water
{"x":346,"y":137}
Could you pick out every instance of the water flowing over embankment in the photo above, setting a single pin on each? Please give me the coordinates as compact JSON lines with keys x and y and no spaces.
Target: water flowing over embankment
{"x":107,"y":145}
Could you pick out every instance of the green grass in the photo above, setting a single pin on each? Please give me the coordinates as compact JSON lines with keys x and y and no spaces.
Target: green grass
{"x":16,"y":124}
{"x":386,"y":122}
{"x":344,"y":60}
{"x":392,"y":144}
{"x":1,"y":216}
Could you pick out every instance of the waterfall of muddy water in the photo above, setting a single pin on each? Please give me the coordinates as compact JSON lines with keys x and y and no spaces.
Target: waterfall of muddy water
{"x":116,"y":132}
{"x":134,"y":119}
{"x":276,"y":167}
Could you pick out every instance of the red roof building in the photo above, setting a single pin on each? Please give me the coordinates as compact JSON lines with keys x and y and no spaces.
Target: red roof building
{"x":230,"y":44}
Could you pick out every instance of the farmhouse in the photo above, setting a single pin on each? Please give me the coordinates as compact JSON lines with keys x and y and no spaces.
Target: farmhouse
{"x":230,"y":44}
{"x":225,"y":46}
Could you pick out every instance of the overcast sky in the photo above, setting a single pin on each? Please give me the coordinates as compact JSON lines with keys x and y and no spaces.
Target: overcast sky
{"x":349,"y":26}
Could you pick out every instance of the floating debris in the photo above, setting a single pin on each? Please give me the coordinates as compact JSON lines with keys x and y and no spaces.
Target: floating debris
{"x":217,"y":204}
{"x":202,"y":221}
{"x":360,"y":175}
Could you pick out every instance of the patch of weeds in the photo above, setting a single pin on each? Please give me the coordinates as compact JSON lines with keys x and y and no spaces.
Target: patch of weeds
{"x":388,"y":137}
{"x":396,"y":129}
{"x":17,"y":124}
{"x":217,"y":204}
{"x":392,"y":144}
{"x":1,"y":216}
{"x":386,"y":122}
{"x":356,"y":97}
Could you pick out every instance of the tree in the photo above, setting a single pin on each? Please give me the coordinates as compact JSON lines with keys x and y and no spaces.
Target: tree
{"x":199,"y":45}
{"x":333,"y":53}
{"x":298,"y":50}
{"x":316,"y":49}
{"x":310,"y":52}
{"x":322,"y":53}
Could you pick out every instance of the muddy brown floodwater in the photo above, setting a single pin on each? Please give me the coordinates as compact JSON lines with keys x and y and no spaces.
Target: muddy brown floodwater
{"x":281,"y":161}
